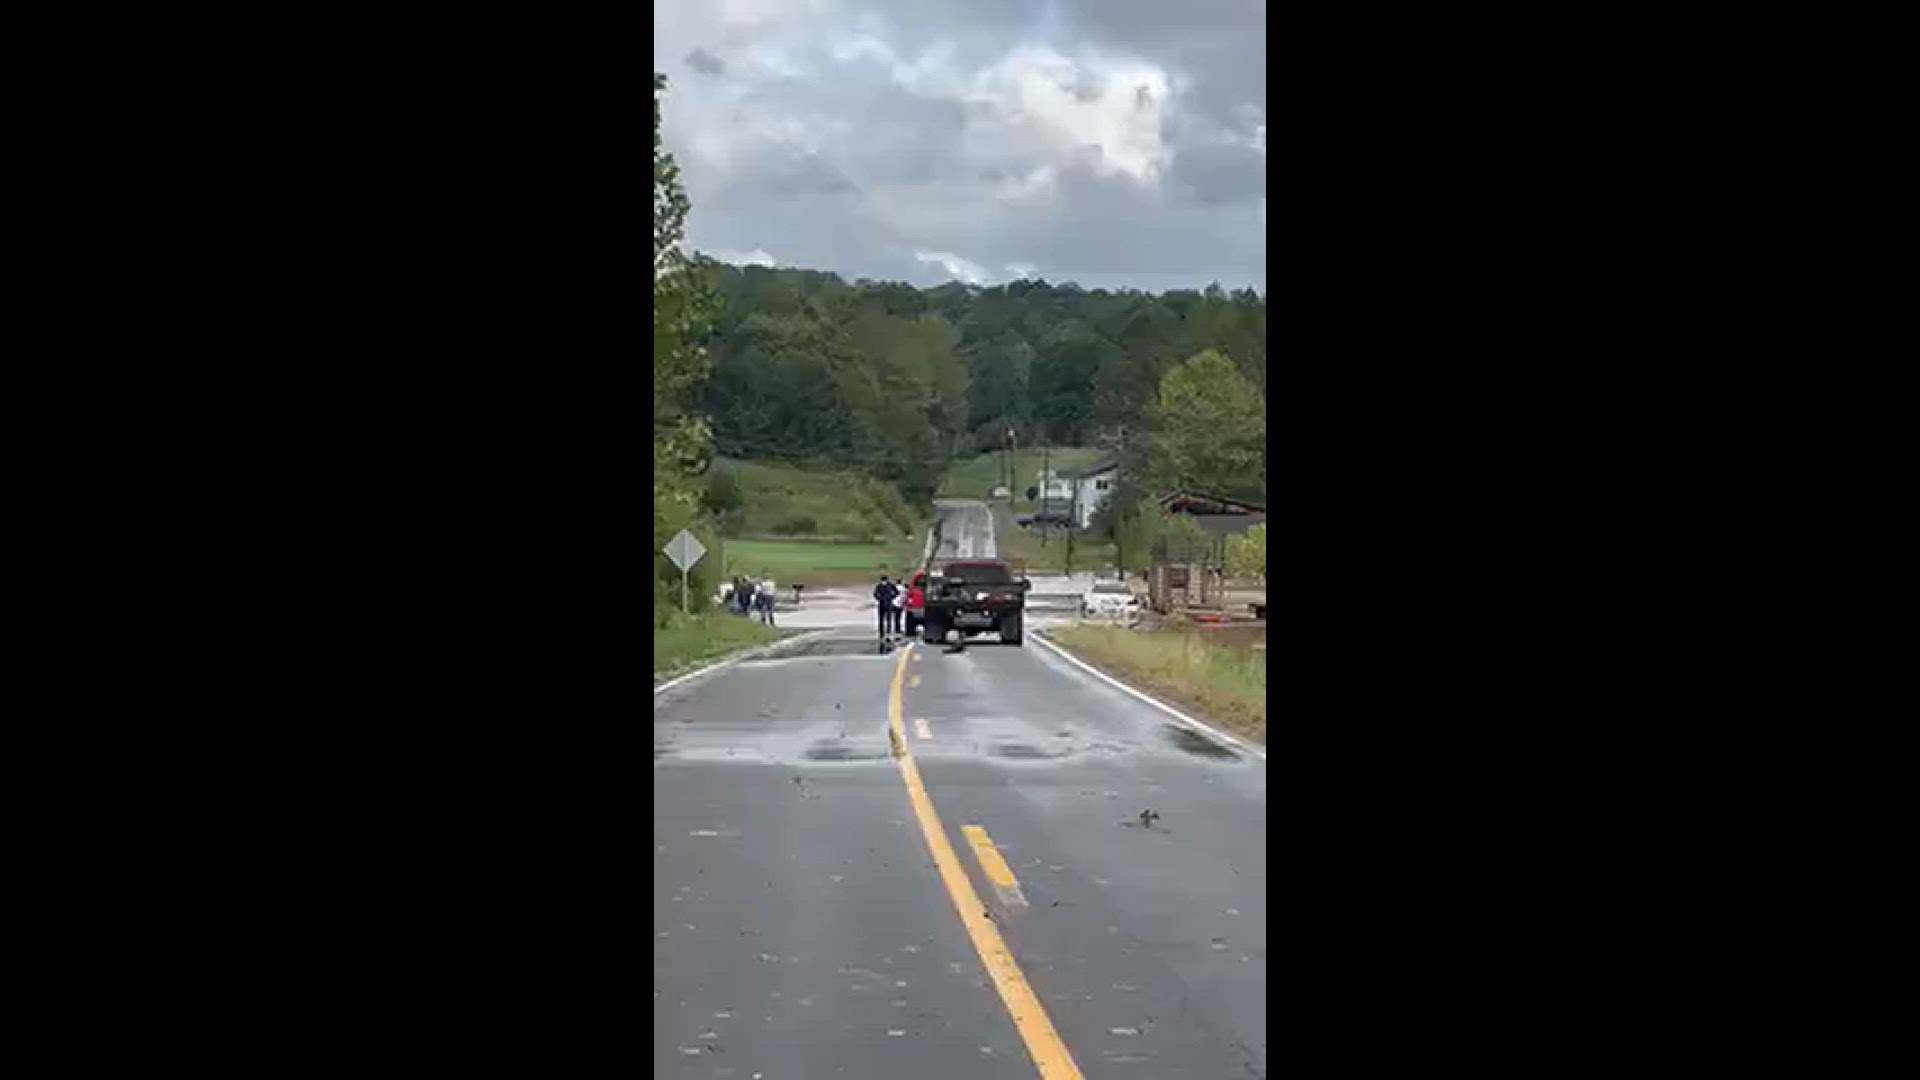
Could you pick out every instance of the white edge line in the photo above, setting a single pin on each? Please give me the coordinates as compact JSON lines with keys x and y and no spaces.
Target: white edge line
{"x":1209,"y":729}
{"x":737,"y":657}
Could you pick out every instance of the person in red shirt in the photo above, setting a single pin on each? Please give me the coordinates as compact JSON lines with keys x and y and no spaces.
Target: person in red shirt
{"x":916,"y":605}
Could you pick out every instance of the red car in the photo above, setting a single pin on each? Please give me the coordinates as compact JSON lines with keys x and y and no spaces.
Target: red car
{"x":916,"y":606}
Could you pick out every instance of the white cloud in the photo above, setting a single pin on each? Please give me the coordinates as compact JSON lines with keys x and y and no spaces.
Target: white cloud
{"x":933,"y":73}
{"x":970,"y":272}
{"x":1060,"y":106}
{"x":774,"y":60}
{"x":1028,"y":188}
{"x":758,"y":12}
{"x":851,"y":49}
{"x":1022,"y":270}
{"x":756,"y":257}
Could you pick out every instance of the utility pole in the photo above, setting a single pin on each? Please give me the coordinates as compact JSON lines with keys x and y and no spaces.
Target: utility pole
{"x":1045,"y":478}
{"x":1006,"y":469}
{"x":1013,"y":464}
{"x":1073,"y":511}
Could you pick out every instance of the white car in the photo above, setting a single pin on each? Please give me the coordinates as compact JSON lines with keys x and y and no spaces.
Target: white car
{"x":1108,"y":599}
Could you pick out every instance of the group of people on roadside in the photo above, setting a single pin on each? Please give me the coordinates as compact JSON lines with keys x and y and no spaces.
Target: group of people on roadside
{"x":893,"y":600}
{"x":744,"y":596}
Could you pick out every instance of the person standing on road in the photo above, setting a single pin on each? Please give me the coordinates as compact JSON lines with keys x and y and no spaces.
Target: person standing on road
{"x":883,"y":597}
{"x":915,"y":598}
{"x":765,"y":598}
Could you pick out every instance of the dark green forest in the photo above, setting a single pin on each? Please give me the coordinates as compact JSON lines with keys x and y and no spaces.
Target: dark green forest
{"x":898,"y":381}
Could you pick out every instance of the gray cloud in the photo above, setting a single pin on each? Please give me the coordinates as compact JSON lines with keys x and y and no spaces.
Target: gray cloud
{"x":1113,"y":142}
{"x":1216,"y":175}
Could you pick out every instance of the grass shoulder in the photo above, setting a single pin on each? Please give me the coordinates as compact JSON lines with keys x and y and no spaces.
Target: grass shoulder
{"x":682,"y":642}
{"x":1222,"y":680}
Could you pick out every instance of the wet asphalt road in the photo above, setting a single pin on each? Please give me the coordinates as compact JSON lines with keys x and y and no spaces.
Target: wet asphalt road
{"x":801,"y":930}
{"x":966,"y":529}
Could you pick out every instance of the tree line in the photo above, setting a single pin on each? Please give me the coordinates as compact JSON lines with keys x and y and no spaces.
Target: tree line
{"x":899,"y":380}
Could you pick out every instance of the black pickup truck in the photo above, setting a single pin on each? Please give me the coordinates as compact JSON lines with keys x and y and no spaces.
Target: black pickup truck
{"x":974,"y":596}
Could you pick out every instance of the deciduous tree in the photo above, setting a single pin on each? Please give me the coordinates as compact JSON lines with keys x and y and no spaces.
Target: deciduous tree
{"x":1209,"y":430}
{"x":1247,"y":554}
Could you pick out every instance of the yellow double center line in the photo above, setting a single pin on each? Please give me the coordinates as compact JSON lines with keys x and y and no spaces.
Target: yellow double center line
{"x":1036,"y":1030}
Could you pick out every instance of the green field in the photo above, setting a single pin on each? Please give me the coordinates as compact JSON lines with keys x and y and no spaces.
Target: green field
{"x":774,"y":500}
{"x":1219,"y":675}
{"x":819,"y":563}
{"x":1023,"y":546}
{"x":976,"y":477}
{"x":811,"y":526}
{"x":823,"y":528}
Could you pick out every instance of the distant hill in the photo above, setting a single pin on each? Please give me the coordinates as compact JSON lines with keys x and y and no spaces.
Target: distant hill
{"x":768,"y":500}
{"x":897,"y":382}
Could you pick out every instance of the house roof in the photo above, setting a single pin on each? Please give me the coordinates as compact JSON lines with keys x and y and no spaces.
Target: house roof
{"x":1226,"y":524}
{"x":1200,"y":505}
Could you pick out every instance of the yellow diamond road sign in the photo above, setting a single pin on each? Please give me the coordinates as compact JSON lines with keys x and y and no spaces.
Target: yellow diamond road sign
{"x":685,"y":549}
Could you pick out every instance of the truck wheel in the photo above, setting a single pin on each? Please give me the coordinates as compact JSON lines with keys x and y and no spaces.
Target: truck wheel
{"x":1010,"y":629}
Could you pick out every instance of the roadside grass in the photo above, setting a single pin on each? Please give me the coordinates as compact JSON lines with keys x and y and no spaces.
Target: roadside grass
{"x":782,"y":500}
{"x":817,"y":563}
{"x":1223,"y":680}
{"x":976,"y":477}
{"x":680,"y":642}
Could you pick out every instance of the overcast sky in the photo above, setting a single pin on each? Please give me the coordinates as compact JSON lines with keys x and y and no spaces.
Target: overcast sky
{"x":1116,"y":143}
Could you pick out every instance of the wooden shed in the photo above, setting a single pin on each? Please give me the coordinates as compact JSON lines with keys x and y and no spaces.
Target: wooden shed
{"x":1189,"y":572}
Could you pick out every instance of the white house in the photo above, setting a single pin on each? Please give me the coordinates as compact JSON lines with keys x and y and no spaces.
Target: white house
{"x":1091,"y":486}
{"x":1053,"y":484}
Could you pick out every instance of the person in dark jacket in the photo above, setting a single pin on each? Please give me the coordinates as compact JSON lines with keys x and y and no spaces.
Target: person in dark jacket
{"x":884,"y":595}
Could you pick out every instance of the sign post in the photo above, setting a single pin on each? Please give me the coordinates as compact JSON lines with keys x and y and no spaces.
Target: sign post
{"x":684,"y":549}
